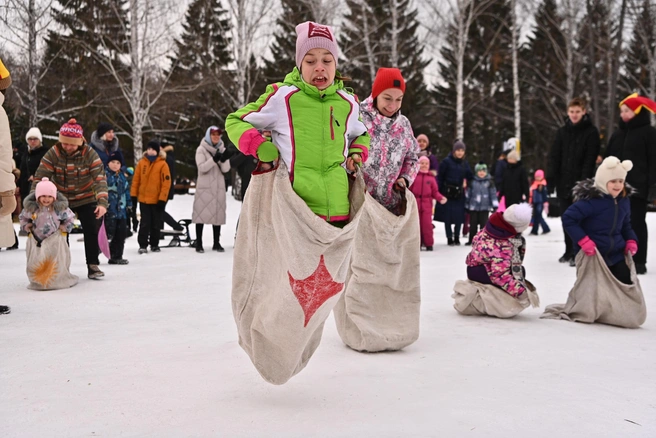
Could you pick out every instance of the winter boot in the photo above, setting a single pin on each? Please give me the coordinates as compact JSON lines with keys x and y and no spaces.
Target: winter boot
{"x":641,"y":269}
{"x":4,"y":310}
{"x":429,"y":248}
{"x":450,"y":242}
{"x":119,"y":261}
{"x":216,"y":229}
{"x":95,"y":272}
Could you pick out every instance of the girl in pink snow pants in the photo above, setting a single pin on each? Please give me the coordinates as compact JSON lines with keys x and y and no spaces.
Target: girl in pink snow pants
{"x":425,"y":190}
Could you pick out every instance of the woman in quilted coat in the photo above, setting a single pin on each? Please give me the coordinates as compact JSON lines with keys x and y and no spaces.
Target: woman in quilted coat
{"x":393,"y":152}
{"x":498,"y":251}
{"x":210,"y":197}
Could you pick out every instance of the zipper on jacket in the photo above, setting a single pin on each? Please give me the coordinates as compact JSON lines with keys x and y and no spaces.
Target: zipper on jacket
{"x":332,"y":130}
{"x":610,"y":236}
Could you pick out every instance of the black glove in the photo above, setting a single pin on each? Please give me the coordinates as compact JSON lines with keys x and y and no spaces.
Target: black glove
{"x":222,"y":156}
{"x":217,"y":156}
{"x":161,"y":205}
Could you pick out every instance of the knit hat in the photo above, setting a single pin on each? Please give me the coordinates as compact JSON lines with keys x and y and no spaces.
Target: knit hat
{"x":103,"y":128}
{"x":424,"y":159}
{"x":45,"y":187}
{"x":424,"y":136}
{"x":636,"y":103}
{"x":539,"y":173}
{"x":5,"y":78}
{"x":153,"y":144}
{"x":479,"y":167}
{"x":310,"y":35}
{"x":459,"y":144}
{"x":71,"y":133}
{"x":513,"y":155}
{"x":518,"y":216}
{"x":611,"y":168}
{"x":116,"y":155}
{"x":387,"y":78}
{"x":34,"y":133}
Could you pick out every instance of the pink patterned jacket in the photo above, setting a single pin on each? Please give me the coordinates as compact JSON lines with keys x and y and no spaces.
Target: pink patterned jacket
{"x":493,"y":248}
{"x":393,"y":154}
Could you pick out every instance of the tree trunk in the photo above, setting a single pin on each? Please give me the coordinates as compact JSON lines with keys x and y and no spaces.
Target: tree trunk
{"x":516,"y":93}
{"x":33,"y":68}
{"x":460,"y":60}
{"x":135,"y":76}
{"x":615,"y":69}
{"x":570,"y":19}
{"x":594,"y":105}
{"x":371,"y":58}
{"x":394,"y":52}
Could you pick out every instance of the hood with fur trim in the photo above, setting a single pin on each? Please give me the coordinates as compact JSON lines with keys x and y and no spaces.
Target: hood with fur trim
{"x":586,"y":189}
{"x":30,"y":203}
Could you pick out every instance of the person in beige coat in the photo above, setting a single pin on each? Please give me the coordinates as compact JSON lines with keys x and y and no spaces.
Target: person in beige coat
{"x":210,"y":197}
{"x":7,"y":180}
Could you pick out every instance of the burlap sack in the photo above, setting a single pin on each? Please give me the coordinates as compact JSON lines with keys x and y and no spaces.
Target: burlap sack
{"x":597,"y":296}
{"x":473,"y":298}
{"x":289,"y":270}
{"x":48,"y":265}
{"x":379,"y":309}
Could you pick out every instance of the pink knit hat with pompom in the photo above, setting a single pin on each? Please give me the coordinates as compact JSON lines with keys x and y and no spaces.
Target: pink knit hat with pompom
{"x":45,"y":188}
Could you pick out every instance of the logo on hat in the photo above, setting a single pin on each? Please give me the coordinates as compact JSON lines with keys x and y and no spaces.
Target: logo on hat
{"x":317,"y":30}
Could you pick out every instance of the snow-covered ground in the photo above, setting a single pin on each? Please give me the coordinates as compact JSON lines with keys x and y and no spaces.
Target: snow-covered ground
{"x":151,"y":350}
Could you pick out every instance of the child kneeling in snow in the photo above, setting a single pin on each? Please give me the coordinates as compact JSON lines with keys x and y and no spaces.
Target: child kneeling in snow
{"x":45,"y":213}
{"x":498,"y":251}
{"x":600,"y":218}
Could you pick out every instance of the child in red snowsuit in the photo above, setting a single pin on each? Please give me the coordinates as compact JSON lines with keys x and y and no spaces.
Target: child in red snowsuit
{"x":425,"y":190}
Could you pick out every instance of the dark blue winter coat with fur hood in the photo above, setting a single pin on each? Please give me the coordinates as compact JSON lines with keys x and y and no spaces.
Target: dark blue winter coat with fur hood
{"x":604,"y":219}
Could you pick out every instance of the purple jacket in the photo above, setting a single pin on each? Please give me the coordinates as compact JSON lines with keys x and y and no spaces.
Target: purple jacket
{"x":393,"y":154}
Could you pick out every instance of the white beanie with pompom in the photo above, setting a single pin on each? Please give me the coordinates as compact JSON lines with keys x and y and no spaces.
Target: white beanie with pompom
{"x":611,"y":168}
{"x":519,"y":216}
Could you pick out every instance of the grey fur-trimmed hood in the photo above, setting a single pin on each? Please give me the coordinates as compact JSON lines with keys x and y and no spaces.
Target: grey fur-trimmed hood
{"x":31,"y":205}
{"x":586,"y":189}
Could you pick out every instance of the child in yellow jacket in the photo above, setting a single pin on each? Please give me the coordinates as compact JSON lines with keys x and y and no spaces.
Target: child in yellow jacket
{"x":150,"y":187}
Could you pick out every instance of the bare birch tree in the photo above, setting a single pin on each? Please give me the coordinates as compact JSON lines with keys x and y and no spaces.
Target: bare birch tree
{"x":24,"y":22}
{"x":250,"y":19}
{"x":515,"y":69}
{"x":148,"y":25}
{"x":572,"y":12}
{"x":613,"y":60}
{"x":463,"y":13}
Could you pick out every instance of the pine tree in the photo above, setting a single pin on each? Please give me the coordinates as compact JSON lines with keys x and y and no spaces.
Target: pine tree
{"x":283,"y":49}
{"x":635,"y":76}
{"x":369,"y":42}
{"x":488,"y":88}
{"x":543,"y":81}
{"x":74,"y":77}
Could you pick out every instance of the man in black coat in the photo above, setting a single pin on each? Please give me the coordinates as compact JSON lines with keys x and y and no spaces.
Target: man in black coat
{"x":572,"y":158}
{"x":635,"y":140}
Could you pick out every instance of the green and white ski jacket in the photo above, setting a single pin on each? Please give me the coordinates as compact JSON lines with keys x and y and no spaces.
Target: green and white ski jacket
{"x":314,"y":132}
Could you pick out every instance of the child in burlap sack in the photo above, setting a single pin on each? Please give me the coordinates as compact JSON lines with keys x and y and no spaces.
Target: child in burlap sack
{"x":600,"y":217}
{"x":314,"y":122}
{"x":498,"y":251}
{"x":394,"y":152}
{"x":45,"y":211}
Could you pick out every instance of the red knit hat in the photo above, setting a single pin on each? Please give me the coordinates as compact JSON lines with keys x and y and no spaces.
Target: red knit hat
{"x":71,"y":133}
{"x":387,"y":78}
{"x":636,"y":103}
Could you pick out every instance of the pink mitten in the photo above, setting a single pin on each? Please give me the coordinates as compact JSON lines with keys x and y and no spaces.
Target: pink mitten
{"x":631,"y":247}
{"x":588,"y":246}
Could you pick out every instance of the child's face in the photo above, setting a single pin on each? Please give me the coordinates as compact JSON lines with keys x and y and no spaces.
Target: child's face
{"x":539,"y":178}
{"x":114,"y":165}
{"x":615,"y":187}
{"x":389,"y":101}
{"x":459,"y":153}
{"x":152,"y":152}
{"x":318,"y":68}
{"x":424,"y":166}
{"x":46,"y":201}
{"x":626,"y":113}
{"x":575,"y":113}
{"x":423,"y":142}
{"x":481,"y":173}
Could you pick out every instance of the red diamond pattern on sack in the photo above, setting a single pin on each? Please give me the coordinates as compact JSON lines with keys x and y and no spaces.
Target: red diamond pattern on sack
{"x":313,"y":291}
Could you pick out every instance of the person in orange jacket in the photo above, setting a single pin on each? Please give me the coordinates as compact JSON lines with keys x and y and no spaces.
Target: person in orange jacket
{"x":150,"y":187}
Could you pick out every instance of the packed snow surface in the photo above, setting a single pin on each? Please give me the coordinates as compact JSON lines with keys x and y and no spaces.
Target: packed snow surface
{"x":151,"y":350}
